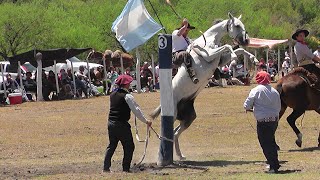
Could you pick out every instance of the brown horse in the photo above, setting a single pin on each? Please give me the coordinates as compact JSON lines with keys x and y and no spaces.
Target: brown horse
{"x":297,"y":91}
{"x":113,"y":57}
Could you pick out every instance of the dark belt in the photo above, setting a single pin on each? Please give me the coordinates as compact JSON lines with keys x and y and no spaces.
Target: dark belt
{"x":269,"y":119}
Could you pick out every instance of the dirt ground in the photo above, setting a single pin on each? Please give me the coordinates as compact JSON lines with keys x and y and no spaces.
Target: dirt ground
{"x":67,"y":140}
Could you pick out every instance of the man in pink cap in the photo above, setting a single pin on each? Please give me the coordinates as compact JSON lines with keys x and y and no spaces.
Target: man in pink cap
{"x":121,"y":104}
{"x":266,"y":104}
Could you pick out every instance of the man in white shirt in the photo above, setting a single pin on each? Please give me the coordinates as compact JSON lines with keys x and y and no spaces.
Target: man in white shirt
{"x":180,"y":43}
{"x":285,"y":66}
{"x":265,"y":102}
{"x":304,"y":56}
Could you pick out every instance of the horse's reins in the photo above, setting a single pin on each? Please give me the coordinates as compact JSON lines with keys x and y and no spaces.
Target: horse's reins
{"x":146,"y":141}
{"x":249,"y":120}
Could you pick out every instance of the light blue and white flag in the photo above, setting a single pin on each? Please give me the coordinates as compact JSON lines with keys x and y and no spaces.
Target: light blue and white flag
{"x":134,"y":26}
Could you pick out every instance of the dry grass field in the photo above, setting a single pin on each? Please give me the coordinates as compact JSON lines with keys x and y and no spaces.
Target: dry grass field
{"x":67,"y":140}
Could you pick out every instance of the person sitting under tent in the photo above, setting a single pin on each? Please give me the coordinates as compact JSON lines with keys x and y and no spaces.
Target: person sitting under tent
{"x":11,"y":84}
{"x":30,"y":84}
{"x":239,"y":74}
{"x":180,"y":43}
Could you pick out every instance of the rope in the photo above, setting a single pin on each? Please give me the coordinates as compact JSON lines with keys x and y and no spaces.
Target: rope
{"x":164,"y":29}
{"x":249,"y":121}
{"x":146,"y":141}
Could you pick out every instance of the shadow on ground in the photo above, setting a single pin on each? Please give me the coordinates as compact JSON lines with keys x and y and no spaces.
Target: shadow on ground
{"x":309,"y":149}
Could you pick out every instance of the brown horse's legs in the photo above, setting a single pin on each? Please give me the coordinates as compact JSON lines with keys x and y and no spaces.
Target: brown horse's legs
{"x":292,"y":122}
{"x":283,"y":109}
{"x":318,"y":111}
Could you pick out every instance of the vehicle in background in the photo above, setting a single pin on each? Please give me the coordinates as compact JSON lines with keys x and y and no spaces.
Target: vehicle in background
{"x":76,"y":64}
{"x":26,"y":67}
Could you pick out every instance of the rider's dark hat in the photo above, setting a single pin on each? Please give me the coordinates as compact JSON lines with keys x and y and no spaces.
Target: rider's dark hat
{"x":189,"y":26}
{"x":298,"y":31}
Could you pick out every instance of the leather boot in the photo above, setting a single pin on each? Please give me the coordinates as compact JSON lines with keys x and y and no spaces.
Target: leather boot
{"x":192,"y":75}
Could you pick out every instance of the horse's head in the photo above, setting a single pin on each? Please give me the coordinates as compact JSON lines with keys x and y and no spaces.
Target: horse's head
{"x":237,"y":31}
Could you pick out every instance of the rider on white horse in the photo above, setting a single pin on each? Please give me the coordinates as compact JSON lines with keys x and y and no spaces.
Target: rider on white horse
{"x":180,"y":43}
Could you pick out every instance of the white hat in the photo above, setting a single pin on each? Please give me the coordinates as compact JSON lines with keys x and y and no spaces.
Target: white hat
{"x":287,"y":58}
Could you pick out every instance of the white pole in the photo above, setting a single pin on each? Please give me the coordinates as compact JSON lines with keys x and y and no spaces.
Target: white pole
{"x":39,"y":77}
{"x":279,"y":62}
{"x":255,"y":67}
{"x":267,"y":60}
{"x":138,"y":71}
{"x":121,"y":62}
{"x":153,"y":72}
{"x":291,"y":55}
{"x":56,"y":76}
{"x":20,"y":77}
{"x":3,"y":83}
{"x":89,"y":76}
{"x":74,"y":81}
{"x":104,"y":69}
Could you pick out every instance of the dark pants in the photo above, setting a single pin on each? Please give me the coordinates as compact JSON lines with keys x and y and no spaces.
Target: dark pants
{"x":119,"y":132}
{"x":266,"y":136}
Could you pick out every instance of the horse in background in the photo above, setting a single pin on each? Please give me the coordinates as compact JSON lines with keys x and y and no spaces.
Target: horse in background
{"x":206,"y":58}
{"x":299,"y":90}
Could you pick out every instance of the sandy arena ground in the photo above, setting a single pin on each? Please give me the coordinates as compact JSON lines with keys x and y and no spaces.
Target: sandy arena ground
{"x":67,"y":140}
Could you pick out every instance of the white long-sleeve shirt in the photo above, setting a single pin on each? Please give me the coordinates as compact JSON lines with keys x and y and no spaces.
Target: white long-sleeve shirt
{"x":303,"y":54}
{"x":135,"y":108}
{"x":265,"y":101}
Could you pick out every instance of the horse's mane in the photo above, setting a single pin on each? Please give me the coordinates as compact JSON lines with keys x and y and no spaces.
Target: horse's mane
{"x":311,"y":77}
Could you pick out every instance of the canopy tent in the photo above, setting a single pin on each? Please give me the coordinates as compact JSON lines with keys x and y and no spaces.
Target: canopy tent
{"x":262,"y":43}
{"x":48,"y":56}
{"x":269,"y":44}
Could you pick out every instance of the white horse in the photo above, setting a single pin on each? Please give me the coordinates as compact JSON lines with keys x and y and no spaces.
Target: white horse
{"x":205,"y":61}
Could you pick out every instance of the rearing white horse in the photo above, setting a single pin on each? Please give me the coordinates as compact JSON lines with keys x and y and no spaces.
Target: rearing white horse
{"x":205,"y":61}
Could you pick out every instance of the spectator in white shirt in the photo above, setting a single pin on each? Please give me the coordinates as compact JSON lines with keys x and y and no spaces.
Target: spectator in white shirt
{"x":266,"y":104}
{"x":285,"y":66}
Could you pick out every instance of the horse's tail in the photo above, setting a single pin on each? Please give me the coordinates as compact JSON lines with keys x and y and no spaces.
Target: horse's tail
{"x":156,"y":112}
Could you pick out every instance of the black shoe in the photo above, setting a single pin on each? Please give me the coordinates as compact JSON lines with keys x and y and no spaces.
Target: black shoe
{"x":272,"y":171}
{"x":127,"y":171}
{"x":106,"y":171}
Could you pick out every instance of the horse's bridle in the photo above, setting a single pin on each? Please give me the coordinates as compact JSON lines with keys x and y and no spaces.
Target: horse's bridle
{"x":240,"y":33}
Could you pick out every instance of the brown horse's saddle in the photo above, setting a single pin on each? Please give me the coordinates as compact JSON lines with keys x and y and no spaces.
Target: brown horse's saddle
{"x":311,"y":78}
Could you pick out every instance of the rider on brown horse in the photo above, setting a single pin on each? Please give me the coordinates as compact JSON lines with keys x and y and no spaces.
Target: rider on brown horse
{"x":304,"y":56}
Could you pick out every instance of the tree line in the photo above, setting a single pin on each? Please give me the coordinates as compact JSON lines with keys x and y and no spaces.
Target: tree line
{"x":44,"y":24}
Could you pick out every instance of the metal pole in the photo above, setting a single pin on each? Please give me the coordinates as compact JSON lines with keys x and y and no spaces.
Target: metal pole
{"x":3,"y":82}
{"x":121,"y":62}
{"x":166,"y":99}
{"x":255,"y":67}
{"x":20,"y":77}
{"x":104,"y":69}
{"x":56,"y":76}
{"x":74,"y":81}
{"x":291,"y":55}
{"x":89,"y":76}
{"x":39,"y":77}
{"x":138,"y":71}
{"x":267,"y":60}
{"x":153,"y":72}
{"x":279,"y":62}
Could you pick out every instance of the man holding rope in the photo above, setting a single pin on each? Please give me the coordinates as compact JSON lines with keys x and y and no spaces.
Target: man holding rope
{"x":180,"y":43}
{"x":121,"y":104}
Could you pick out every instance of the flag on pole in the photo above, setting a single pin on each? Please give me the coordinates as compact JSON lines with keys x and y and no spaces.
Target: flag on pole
{"x":134,"y":26}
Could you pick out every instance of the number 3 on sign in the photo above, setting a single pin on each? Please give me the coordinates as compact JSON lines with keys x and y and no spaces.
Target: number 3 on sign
{"x":162,"y":42}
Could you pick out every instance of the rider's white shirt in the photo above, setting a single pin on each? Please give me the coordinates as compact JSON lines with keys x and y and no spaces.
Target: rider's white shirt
{"x":302,"y":52}
{"x":179,"y":42}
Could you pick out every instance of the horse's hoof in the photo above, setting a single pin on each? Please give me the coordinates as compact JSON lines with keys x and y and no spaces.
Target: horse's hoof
{"x":299,"y":143}
{"x":182,"y":158}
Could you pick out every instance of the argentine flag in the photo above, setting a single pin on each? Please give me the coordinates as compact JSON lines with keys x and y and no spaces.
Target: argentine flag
{"x":134,"y":26}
